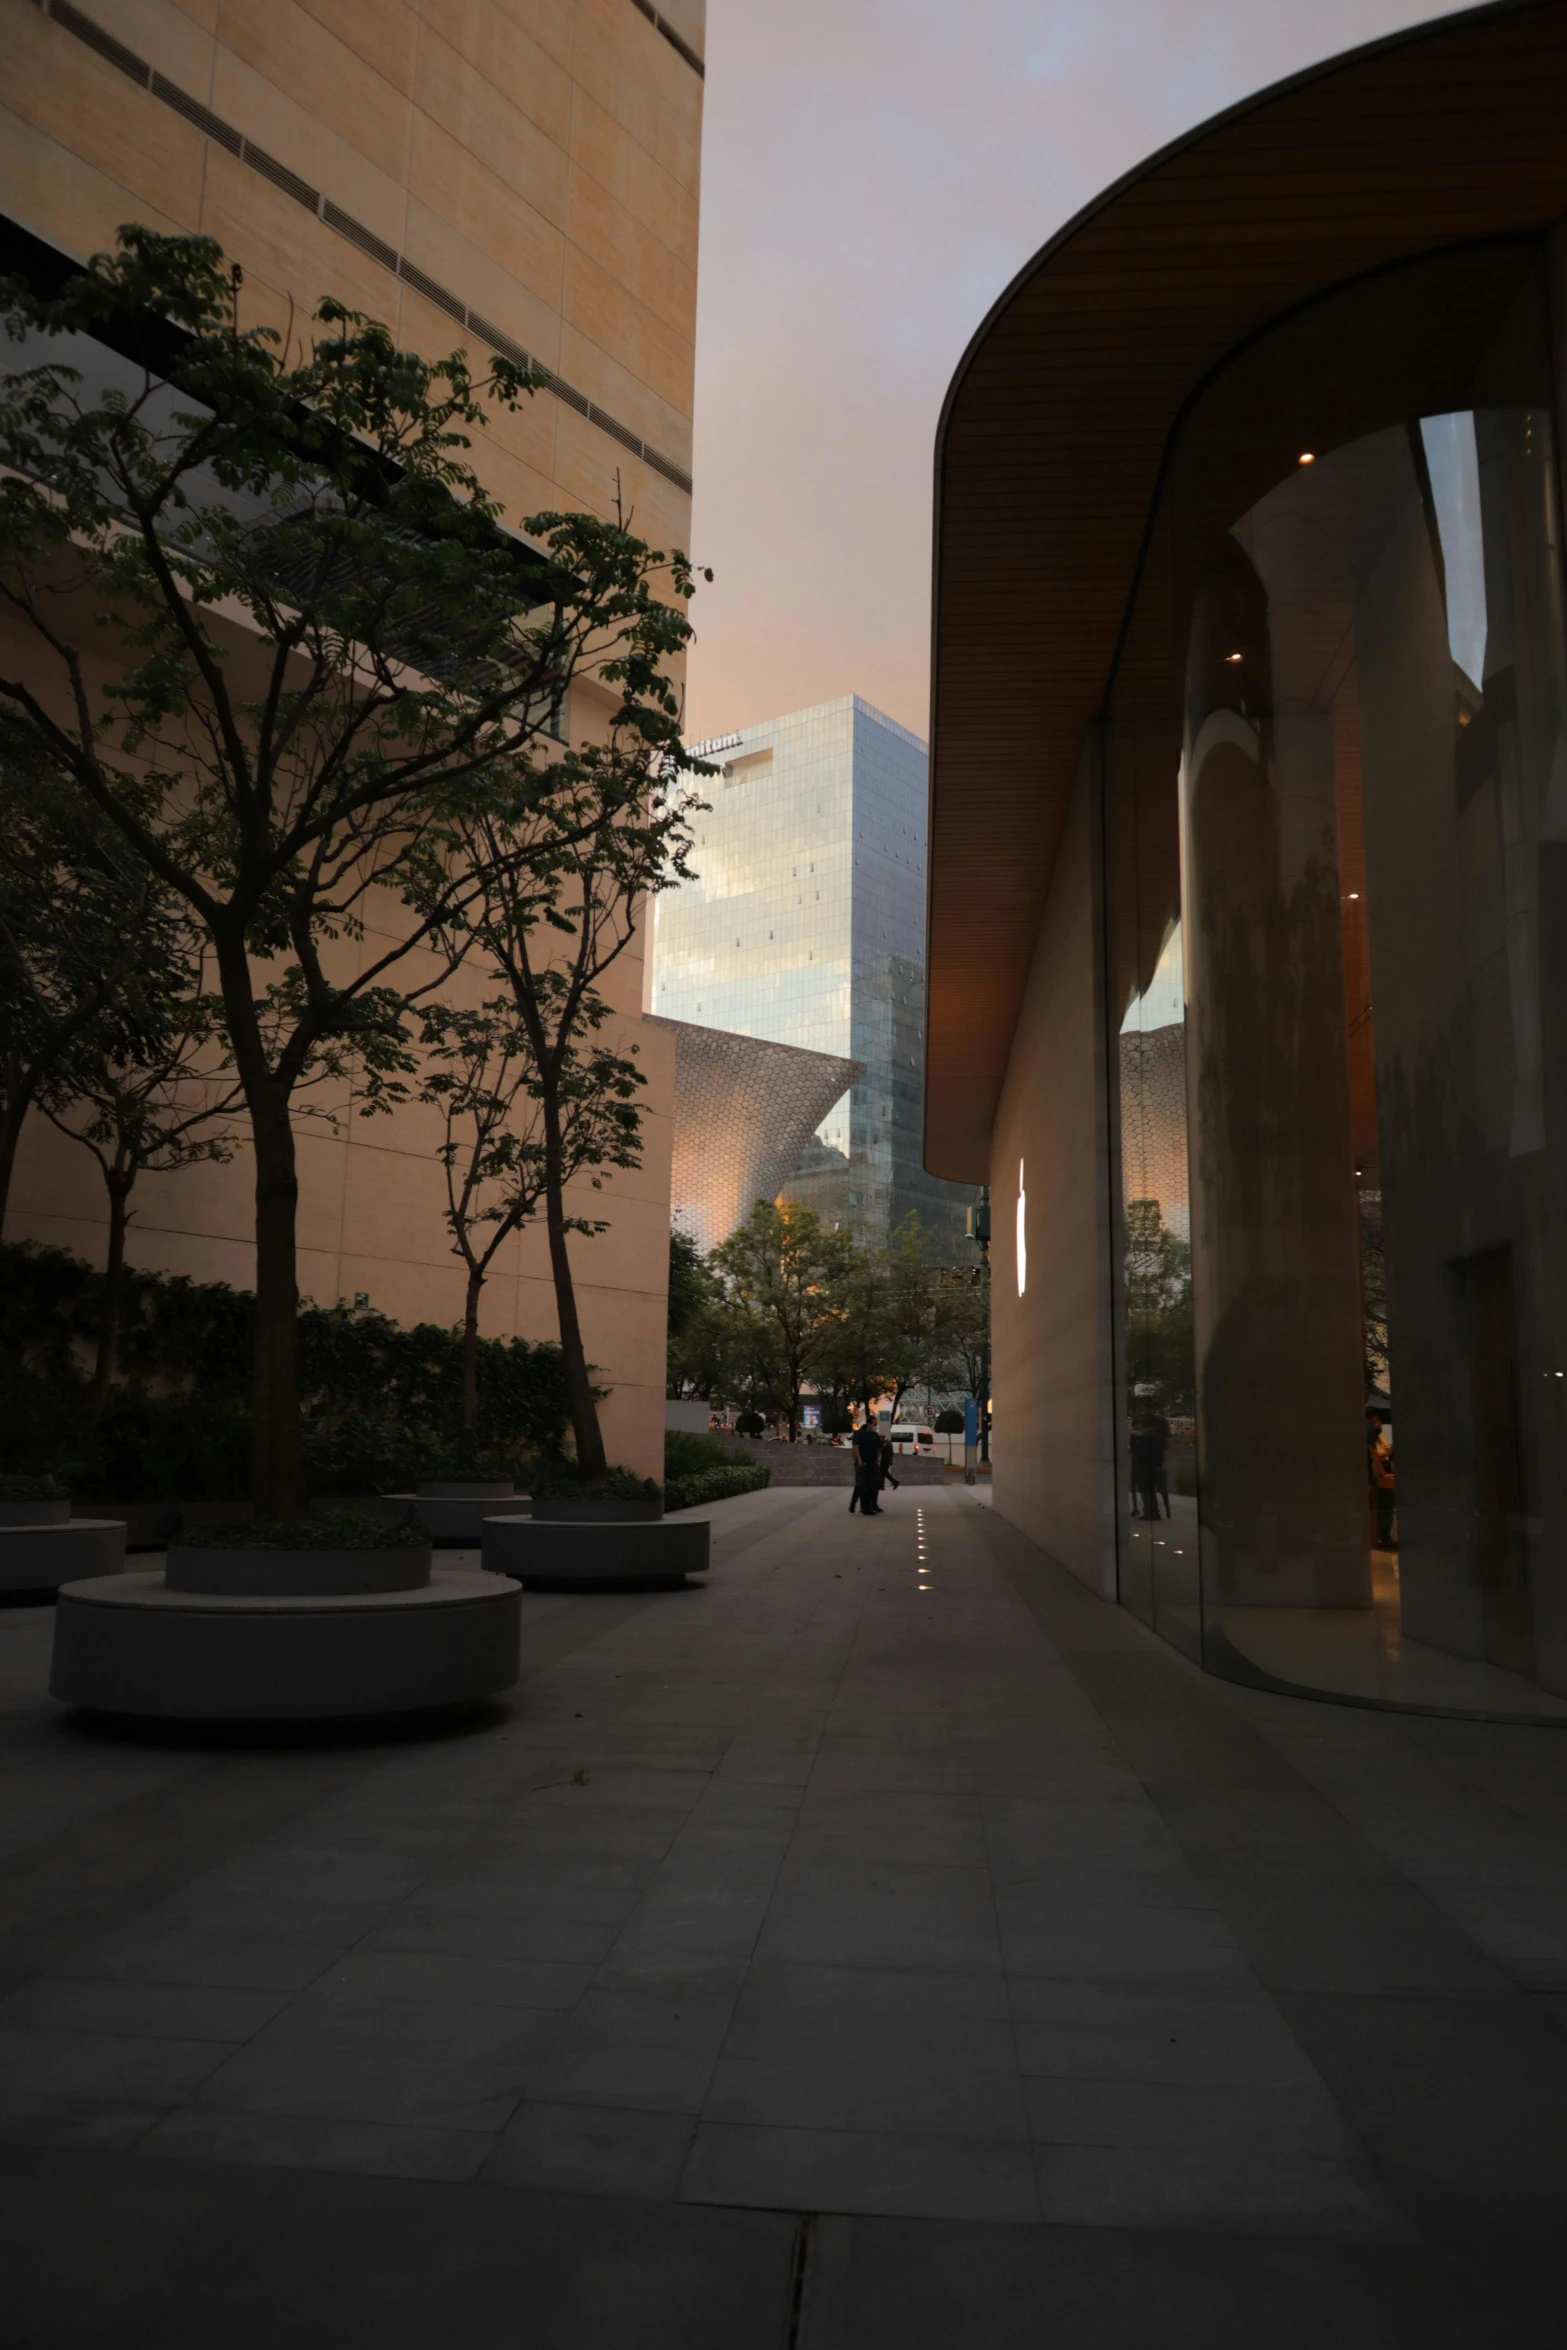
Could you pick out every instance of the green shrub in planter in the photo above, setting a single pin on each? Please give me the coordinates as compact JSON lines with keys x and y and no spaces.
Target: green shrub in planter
{"x":750,"y":1424}
{"x":333,"y":1530}
{"x":28,"y":1489}
{"x":689,"y":1493}
{"x":688,"y":1455}
{"x":561,"y":1480}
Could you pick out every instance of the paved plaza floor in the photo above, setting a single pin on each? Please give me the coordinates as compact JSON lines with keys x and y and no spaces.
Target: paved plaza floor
{"x":885,"y":1944}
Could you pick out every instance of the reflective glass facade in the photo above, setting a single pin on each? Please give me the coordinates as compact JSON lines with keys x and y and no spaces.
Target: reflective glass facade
{"x":806,"y":925}
{"x":1335,"y":774}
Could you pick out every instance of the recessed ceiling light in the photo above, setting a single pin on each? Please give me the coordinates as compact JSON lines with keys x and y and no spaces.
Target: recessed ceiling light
{"x":1234,"y":656}
{"x":1308,"y":457}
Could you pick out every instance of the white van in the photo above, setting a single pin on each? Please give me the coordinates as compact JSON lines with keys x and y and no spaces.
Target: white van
{"x":910,"y":1439}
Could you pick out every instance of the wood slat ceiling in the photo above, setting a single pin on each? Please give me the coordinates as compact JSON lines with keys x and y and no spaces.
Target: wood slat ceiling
{"x":1051,"y":441}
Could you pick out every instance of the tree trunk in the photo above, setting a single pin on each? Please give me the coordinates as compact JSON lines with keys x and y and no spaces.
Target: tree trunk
{"x":579,"y":1387}
{"x":470,"y":1352}
{"x":118,"y":1178}
{"x":277,"y":1471}
{"x":11,"y":1124}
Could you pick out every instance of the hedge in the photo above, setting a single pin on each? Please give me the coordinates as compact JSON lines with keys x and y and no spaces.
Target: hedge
{"x":381,"y":1402}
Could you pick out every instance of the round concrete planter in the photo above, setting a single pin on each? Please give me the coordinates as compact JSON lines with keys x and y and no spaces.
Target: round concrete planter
{"x":43,"y":1555}
{"x":297,"y":1574}
{"x":454,"y":1513}
{"x":657,"y":1554}
{"x":53,"y":1512}
{"x":569,"y":1510}
{"x":128,"y":1645}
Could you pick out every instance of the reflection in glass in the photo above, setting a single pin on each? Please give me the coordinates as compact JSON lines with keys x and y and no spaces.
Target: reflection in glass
{"x":1360,"y":975}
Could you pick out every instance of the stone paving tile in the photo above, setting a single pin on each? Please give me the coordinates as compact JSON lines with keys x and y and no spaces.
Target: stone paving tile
{"x":1103,"y":1941}
{"x":87,"y":2068}
{"x":130,"y":2009}
{"x":165,"y":1951}
{"x":591,"y":2150}
{"x":836,"y":1912}
{"x":1220,"y":2029}
{"x":310,"y":2141}
{"x":375,"y":1973}
{"x":1166,"y":2187}
{"x":1205,"y":2118}
{"x":857,"y":2170}
{"x":318,"y":2079}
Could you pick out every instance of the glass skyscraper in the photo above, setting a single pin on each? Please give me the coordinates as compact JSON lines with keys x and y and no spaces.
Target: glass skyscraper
{"x":806,"y":925}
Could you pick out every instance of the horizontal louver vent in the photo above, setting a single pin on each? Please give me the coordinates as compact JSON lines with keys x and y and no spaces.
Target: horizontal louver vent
{"x":431,"y":291}
{"x":357,"y":234}
{"x":281,"y":177}
{"x":71,"y":20}
{"x":105,"y":43}
{"x":202,"y":116}
{"x":683,"y":48}
{"x":499,"y":342}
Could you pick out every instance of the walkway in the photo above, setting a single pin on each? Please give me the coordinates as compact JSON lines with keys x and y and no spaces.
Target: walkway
{"x":815,"y":1960}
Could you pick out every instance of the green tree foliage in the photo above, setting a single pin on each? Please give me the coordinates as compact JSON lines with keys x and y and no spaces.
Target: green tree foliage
{"x":784,"y":1274}
{"x":561,"y":882}
{"x":696,"y":1331}
{"x":152,"y":1102}
{"x":966,"y":1313}
{"x":81,"y":927}
{"x":1160,"y":1333}
{"x":281,"y":647}
{"x":480,"y":1074}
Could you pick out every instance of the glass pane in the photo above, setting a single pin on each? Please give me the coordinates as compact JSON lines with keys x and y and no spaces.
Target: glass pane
{"x":1342,"y":997}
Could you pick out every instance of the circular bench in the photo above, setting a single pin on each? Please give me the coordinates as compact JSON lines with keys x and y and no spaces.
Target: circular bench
{"x":656,"y":1554}
{"x":130,"y":1644}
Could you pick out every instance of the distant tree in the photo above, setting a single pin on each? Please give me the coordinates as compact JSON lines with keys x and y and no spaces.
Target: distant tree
{"x":481,"y":1076}
{"x":894,"y":1320}
{"x":948,"y":1423}
{"x":783,"y":1275}
{"x":695,"y":1341}
{"x":1160,"y":1331}
{"x":966,"y":1306}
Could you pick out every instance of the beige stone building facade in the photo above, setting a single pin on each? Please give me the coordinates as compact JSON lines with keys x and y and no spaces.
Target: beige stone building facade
{"x":519,"y":176}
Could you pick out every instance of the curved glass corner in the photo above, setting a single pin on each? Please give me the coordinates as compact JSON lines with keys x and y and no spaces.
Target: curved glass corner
{"x":1336,"y":838}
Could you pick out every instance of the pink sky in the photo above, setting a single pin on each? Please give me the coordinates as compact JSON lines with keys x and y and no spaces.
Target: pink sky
{"x":874,"y":173}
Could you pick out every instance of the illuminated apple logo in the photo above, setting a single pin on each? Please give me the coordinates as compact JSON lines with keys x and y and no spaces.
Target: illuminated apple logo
{"x":1022,"y":1232}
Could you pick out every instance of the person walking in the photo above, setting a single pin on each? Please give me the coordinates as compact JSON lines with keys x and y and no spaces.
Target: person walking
{"x":1158,"y":1428}
{"x":867,"y":1471}
{"x":887,"y":1458}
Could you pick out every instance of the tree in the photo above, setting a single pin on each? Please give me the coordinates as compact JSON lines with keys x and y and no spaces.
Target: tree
{"x":311,"y":654}
{"x":483,"y":1079}
{"x":150,"y":1105}
{"x":894,"y":1318}
{"x":695,"y":1340}
{"x":76,"y":908}
{"x":948,"y":1423}
{"x":1160,"y":1333}
{"x":563,"y":879}
{"x":966,"y":1303}
{"x":783,"y":1275}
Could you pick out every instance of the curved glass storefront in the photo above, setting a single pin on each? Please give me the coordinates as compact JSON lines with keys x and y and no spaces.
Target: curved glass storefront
{"x":1336,"y":842}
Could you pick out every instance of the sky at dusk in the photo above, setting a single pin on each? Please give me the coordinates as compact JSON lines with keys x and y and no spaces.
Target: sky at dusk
{"x":874,"y":172}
